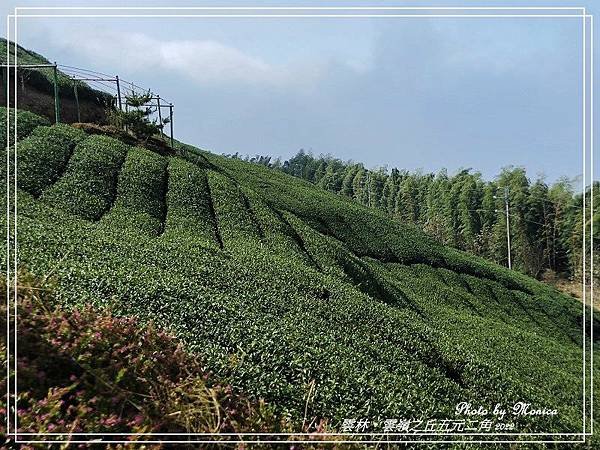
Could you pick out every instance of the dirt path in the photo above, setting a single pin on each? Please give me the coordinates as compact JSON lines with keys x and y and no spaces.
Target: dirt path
{"x":574,"y":288}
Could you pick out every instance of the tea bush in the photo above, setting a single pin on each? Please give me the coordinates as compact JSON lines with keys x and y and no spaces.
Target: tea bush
{"x":26,"y":123}
{"x":89,"y":183}
{"x":189,"y":209}
{"x":141,"y":189}
{"x":235,"y":219}
{"x":43,"y":156}
{"x":366,"y":232}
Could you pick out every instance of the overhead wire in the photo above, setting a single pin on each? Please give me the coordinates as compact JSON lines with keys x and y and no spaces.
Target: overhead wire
{"x":141,"y":89}
{"x":106,"y":85}
{"x":80,"y":69}
{"x":102,"y":84}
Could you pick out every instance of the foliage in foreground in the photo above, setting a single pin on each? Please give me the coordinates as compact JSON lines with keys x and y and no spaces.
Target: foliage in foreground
{"x":86,"y":371}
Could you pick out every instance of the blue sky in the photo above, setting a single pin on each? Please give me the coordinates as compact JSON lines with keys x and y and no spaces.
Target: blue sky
{"x":421,"y":93}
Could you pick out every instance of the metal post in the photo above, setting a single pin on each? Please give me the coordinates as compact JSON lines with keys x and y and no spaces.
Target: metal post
{"x":507,"y":226}
{"x":77,"y":101}
{"x":127,"y":100}
{"x":127,"y":106}
{"x":119,"y":93}
{"x":56,"y":95}
{"x":159,"y":115}
{"x":171,"y":123}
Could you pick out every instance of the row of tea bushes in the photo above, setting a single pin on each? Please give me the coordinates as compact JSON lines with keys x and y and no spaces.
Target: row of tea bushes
{"x":43,"y":156}
{"x":141,"y":189}
{"x":26,"y":122}
{"x":189,"y":209}
{"x":236,"y":221}
{"x":88,"y":186}
{"x":278,"y":234}
{"x":364,"y":231}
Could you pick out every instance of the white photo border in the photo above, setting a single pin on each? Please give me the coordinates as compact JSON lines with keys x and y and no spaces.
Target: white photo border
{"x":587,"y":106}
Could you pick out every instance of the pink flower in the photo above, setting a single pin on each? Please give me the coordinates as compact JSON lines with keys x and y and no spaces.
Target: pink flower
{"x":111,"y":421}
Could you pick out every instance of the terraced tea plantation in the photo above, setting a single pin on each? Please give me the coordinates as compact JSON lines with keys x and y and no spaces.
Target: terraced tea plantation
{"x":324,"y":308}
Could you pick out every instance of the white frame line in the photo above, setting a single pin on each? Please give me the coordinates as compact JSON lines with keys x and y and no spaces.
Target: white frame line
{"x":584,"y":16}
{"x":318,"y":16}
{"x":317,"y":8}
{"x":583,"y":149}
{"x":15,"y":223}
{"x":8,"y":262}
{"x":590,"y":150}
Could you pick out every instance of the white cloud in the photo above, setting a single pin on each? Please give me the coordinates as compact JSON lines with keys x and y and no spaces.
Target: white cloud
{"x":204,"y":61}
{"x":211,"y":61}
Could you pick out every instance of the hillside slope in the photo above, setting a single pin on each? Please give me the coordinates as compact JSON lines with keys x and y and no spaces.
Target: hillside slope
{"x":325,"y":308}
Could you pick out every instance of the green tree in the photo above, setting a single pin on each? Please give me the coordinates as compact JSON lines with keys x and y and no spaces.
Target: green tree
{"x":469,"y":201}
{"x":407,"y":208}
{"x":563,"y":222}
{"x":539,"y":227}
{"x":358,"y":186}
{"x":137,"y":118}
{"x":347,"y":182}
{"x":320,"y":172}
{"x":331,"y":179}
{"x":515,"y":180}
{"x":488,"y":217}
{"x":387,"y":195}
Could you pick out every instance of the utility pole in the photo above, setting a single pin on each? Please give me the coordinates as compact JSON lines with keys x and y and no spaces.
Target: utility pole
{"x":507,"y":226}
{"x":77,"y":101}
{"x":159,"y":115}
{"x":56,"y":95}
{"x":118,"y":93}
{"x":171,"y":123}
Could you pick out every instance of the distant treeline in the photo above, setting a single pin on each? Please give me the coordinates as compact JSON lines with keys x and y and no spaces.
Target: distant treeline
{"x":466,"y":211}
